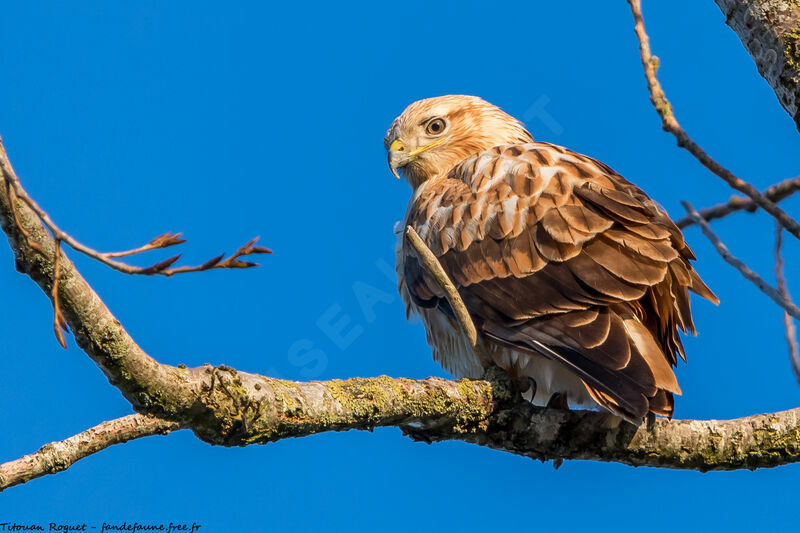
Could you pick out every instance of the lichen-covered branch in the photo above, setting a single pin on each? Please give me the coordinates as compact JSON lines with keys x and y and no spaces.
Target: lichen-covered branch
{"x":96,"y":330}
{"x":219,"y":404}
{"x":540,"y":433}
{"x":770,"y":31}
{"x":434,"y":409}
{"x":58,"y":456}
{"x":232,"y":408}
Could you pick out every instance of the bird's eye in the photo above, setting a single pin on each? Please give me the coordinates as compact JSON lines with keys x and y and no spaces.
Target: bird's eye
{"x":435,"y":126}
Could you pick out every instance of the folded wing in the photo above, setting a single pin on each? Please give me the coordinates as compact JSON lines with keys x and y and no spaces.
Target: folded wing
{"x":556,"y":254}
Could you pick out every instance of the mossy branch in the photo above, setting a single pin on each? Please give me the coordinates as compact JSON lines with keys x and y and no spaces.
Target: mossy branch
{"x":257,"y":409}
{"x":58,"y":456}
{"x":227,"y":407}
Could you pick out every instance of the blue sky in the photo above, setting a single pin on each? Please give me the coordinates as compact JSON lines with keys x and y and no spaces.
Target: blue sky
{"x":129,"y":119}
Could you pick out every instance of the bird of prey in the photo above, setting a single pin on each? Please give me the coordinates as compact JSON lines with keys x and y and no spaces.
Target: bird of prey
{"x":575,"y":279}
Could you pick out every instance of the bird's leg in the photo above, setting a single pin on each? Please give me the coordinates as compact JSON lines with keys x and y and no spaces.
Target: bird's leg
{"x":558,"y":401}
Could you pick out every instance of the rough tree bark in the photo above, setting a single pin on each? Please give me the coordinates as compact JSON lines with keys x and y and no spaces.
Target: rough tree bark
{"x":227,"y":407}
{"x":58,"y":456}
{"x":770,"y":30}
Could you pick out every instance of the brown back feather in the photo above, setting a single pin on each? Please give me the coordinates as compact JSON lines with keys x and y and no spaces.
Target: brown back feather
{"x":566,"y":259}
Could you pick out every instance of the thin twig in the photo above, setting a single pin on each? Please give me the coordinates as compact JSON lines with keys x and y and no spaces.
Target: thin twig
{"x":165,"y":240}
{"x":13,"y":197}
{"x":788,"y":323}
{"x":59,"y":324}
{"x":162,"y":241}
{"x":58,"y":456}
{"x":670,"y":124}
{"x":743,"y":269}
{"x":431,"y":263}
{"x":774,"y":193}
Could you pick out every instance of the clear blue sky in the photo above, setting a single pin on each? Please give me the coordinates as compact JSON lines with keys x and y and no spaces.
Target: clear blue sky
{"x":128,"y":119}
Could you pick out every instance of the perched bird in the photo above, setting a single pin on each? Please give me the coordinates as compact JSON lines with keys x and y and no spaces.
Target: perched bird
{"x":574,"y":278}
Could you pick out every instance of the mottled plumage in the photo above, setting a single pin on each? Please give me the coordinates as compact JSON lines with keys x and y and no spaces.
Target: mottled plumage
{"x":573,"y":276}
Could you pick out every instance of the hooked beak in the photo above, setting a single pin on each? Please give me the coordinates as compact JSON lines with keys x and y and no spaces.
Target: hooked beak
{"x":398,"y":157}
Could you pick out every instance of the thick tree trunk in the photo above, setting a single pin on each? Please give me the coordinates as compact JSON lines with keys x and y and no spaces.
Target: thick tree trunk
{"x":770,"y":30}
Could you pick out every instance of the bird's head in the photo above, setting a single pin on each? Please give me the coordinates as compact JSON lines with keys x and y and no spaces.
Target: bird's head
{"x":433,"y":135}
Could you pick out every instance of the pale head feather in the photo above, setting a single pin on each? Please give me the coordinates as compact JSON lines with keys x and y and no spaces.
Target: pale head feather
{"x":472,"y":125}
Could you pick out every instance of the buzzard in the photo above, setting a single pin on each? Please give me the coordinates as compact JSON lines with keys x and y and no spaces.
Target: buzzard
{"x":576,"y":281}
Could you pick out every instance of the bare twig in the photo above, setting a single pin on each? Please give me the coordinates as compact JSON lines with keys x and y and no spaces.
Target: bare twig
{"x":162,"y":268}
{"x":783,"y":290}
{"x":58,"y":456}
{"x":59,"y":324}
{"x":743,"y":269}
{"x":431,"y":263}
{"x":670,"y":124}
{"x":162,"y":241}
{"x":774,"y":193}
{"x":14,"y":200}
{"x":219,"y":261}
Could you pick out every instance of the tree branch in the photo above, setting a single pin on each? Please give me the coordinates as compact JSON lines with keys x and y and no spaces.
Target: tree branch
{"x":520,"y":428}
{"x":736,"y":263}
{"x":783,"y":290}
{"x":227,"y":407}
{"x":754,"y":442}
{"x":59,"y":324}
{"x":670,"y":124}
{"x":770,"y":31}
{"x":166,"y":240}
{"x":775,"y":193}
{"x":58,"y":456}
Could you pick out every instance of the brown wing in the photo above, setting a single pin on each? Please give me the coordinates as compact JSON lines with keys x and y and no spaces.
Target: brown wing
{"x":556,"y":254}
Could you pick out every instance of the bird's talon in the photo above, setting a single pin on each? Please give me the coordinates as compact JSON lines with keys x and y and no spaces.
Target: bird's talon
{"x":558,"y":401}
